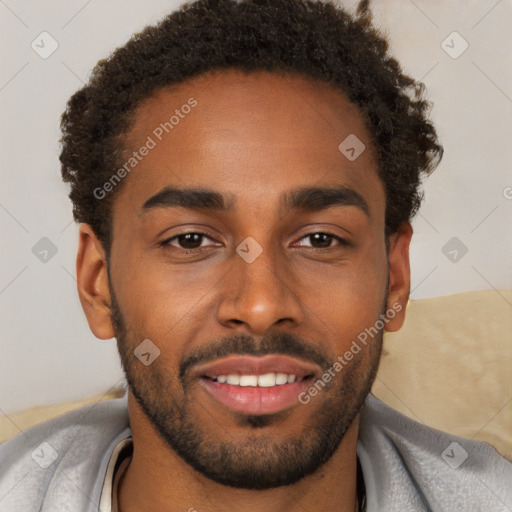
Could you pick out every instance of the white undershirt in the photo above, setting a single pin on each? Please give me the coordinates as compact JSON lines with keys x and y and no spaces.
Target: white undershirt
{"x":108,"y":501}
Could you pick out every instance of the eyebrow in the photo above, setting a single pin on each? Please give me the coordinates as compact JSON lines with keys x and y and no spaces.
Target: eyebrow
{"x":306,"y":198}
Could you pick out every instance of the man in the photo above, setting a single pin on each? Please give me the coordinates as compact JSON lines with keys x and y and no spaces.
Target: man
{"x":244,"y":174}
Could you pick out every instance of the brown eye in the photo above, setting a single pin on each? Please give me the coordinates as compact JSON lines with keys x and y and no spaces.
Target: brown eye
{"x":185,"y":241}
{"x":190,"y":240}
{"x":323,"y":240}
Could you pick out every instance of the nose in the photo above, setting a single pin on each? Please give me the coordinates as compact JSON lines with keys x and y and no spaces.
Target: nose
{"x":259,"y":295}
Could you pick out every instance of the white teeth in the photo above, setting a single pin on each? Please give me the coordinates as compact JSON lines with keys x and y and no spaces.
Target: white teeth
{"x":248,"y":380}
{"x":266,"y":380}
{"x":281,"y":378}
{"x":233,"y":379}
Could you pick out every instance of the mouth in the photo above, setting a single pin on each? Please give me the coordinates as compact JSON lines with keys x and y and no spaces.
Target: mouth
{"x":257,"y":385}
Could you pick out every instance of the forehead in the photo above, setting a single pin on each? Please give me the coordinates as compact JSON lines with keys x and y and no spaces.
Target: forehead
{"x":252,"y":135}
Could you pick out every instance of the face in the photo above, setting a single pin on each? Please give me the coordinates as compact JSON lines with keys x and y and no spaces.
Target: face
{"x":250,"y":251}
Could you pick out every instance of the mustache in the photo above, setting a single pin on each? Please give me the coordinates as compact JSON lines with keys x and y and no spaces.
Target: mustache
{"x":243,"y":344}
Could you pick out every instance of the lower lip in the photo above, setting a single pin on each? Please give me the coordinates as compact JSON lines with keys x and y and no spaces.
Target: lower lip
{"x":256,"y":400}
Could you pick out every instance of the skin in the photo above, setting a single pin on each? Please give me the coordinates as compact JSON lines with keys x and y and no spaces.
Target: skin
{"x":255,"y":137}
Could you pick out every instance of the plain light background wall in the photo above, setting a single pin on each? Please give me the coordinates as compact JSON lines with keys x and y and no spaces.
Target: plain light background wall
{"x":48,"y":353}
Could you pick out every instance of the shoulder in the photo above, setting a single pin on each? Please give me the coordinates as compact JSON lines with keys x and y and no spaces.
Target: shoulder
{"x":62,"y":460}
{"x":408,"y":465}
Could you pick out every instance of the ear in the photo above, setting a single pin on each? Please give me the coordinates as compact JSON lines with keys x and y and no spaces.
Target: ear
{"x":92,"y":279}
{"x":399,"y":276}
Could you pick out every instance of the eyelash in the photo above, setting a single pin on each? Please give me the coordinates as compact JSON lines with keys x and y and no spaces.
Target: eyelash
{"x":166,"y":244}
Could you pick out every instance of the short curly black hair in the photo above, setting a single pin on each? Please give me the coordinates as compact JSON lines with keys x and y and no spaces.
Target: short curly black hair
{"x":315,"y":39}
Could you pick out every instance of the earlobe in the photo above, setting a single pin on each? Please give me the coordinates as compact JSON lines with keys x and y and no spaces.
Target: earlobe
{"x":92,"y":279}
{"x":399,"y":276}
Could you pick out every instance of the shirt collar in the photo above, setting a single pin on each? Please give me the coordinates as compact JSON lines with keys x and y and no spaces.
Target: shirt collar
{"x":121,"y":452}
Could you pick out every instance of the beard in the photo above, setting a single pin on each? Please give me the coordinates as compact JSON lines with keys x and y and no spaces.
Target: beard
{"x":261,"y":458}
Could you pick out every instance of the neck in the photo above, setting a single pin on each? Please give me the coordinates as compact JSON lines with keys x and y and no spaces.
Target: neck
{"x":158,"y":480}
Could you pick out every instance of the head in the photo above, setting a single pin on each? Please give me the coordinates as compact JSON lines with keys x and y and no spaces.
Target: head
{"x":245,"y":174}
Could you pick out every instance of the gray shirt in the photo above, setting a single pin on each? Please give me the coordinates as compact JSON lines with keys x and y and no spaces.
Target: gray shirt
{"x":61,"y":464}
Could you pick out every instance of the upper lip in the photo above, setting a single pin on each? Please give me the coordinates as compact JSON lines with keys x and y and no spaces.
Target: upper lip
{"x":251,"y":365}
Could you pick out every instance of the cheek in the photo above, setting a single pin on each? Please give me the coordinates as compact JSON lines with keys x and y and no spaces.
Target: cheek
{"x":169,"y":303}
{"x":346,"y":299}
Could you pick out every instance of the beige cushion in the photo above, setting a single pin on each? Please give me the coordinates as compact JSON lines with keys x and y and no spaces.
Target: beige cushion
{"x":450,"y":367}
